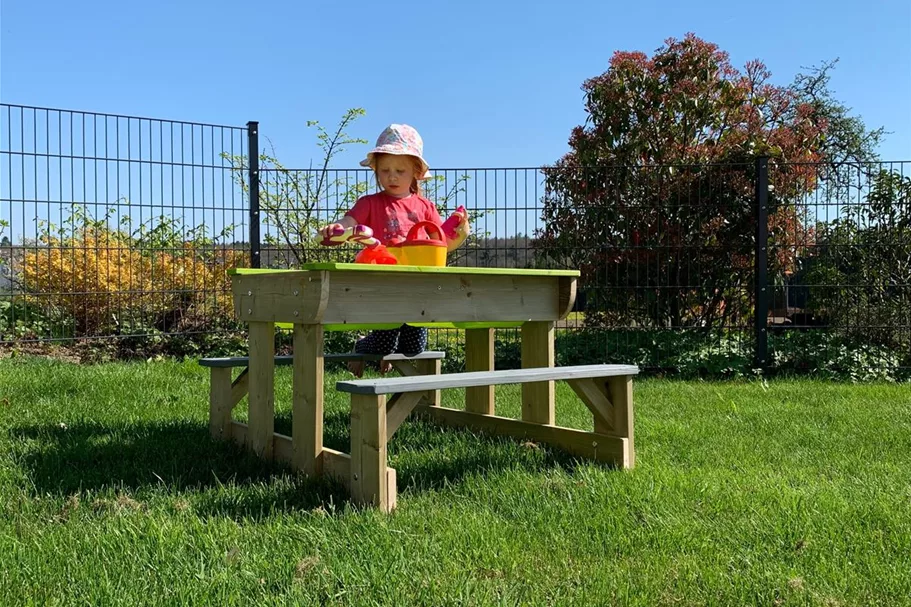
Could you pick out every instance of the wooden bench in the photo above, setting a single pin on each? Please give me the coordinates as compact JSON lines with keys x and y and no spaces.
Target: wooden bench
{"x":605,"y":389}
{"x":225,"y":393}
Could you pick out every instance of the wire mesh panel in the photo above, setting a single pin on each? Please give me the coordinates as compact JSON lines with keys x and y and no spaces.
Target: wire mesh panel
{"x":843,"y":295}
{"x":503,"y":207}
{"x":666,"y":255}
{"x":115,"y":225}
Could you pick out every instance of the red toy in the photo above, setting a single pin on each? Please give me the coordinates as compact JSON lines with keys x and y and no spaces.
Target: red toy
{"x":378,"y":254}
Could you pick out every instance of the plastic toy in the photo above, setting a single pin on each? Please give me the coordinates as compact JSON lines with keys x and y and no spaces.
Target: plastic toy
{"x":414,"y":251}
{"x":373,"y":251}
{"x":455,"y":220}
{"x":411,"y":250}
{"x":378,"y":254}
{"x":360,"y":234}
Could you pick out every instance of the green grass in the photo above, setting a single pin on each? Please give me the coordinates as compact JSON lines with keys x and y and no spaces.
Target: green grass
{"x":791,"y":493}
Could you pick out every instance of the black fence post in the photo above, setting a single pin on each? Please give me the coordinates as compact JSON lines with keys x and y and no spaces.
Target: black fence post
{"x":761,"y":288}
{"x":253,"y":180}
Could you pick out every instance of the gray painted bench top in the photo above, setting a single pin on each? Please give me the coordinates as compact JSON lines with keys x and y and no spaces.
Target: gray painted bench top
{"x":243,"y":361}
{"x":419,"y":383}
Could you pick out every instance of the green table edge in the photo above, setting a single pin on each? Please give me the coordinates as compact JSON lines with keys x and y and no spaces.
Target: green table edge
{"x":361,"y":267}
{"x":287,"y":326}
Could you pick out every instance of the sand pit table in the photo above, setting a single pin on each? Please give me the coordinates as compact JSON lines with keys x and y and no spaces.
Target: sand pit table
{"x":338,"y":296}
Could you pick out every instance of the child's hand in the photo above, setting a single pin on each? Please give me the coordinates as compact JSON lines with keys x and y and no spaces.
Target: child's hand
{"x":457,"y":234}
{"x":463,"y":230}
{"x":330,"y":230}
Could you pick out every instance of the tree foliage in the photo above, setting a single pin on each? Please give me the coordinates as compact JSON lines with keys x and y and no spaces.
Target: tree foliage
{"x":658,"y":189}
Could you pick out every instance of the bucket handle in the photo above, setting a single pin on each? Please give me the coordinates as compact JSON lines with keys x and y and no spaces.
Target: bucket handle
{"x":429,"y":227}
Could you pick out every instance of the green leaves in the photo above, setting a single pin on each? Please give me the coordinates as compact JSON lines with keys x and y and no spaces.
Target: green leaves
{"x":862,"y":270}
{"x":291,"y":199}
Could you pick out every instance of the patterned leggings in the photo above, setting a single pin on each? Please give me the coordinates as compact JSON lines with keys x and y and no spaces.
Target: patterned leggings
{"x":406,"y":340}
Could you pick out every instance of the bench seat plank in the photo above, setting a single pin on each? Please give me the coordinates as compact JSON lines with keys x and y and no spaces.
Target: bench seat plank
{"x":391,"y":385}
{"x":281,"y":361}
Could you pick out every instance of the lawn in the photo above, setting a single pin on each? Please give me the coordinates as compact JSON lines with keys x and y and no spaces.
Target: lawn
{"x":788,"y":493}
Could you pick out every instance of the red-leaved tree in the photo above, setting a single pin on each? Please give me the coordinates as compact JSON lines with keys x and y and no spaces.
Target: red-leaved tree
{"x":655,"y":201}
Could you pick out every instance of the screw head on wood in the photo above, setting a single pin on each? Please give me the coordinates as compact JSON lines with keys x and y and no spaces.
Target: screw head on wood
{"x":250,"y":293}
{"x":295,"y":312}
{"x":249,"y":310}
{"x":296,"y":292}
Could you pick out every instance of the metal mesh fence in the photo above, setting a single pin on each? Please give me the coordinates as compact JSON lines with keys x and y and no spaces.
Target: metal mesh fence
{"x":121,"y":226}
{"x":115,"y":225}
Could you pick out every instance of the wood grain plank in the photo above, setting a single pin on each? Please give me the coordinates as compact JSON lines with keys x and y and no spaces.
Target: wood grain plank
{"x":307,"y":398}
{"x":390,"y":385}
{"x":479,"y":356}
{"x":261,"y":396}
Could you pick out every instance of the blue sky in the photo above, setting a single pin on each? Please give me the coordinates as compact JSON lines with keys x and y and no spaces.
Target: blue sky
{"x":488,"y":84}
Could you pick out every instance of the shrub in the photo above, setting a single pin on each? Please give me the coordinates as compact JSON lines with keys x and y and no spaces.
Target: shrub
{"x":22,"y":320}
{"x":832,"y":356}
{"x":110,"y":282}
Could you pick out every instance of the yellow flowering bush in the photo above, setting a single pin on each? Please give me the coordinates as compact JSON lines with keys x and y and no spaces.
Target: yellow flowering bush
{"x":112,"y":282}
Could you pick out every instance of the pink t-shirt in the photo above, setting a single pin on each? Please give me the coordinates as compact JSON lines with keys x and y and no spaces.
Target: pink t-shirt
{"x":389,"y":216}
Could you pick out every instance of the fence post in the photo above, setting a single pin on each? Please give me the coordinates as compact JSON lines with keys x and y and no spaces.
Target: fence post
{"x":253,"y":180}
{"x":761,"y":288}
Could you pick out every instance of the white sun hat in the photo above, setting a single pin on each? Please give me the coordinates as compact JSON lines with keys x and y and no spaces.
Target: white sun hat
{"x":401,"y":140}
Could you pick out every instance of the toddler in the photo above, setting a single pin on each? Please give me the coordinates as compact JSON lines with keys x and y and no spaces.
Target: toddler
{"x":399,"y":165}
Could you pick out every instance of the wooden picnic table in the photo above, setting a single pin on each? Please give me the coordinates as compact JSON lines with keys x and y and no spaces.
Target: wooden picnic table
{"x":339,"y":296}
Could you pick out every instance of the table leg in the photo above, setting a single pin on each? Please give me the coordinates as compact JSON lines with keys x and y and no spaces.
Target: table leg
{"x":479,"y":356}
{"x":620,"y":390}
{"x":369,"y":483}
{"x":538,"y":351}
{"x":261,"y":426}
{"x":220,"y":403}
{"x":307,"y":399}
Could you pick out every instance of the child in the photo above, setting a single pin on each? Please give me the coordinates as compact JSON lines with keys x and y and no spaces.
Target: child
{"x":399,"y":165}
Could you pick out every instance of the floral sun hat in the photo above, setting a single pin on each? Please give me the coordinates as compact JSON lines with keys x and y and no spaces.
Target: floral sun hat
{"x":402,"y":140}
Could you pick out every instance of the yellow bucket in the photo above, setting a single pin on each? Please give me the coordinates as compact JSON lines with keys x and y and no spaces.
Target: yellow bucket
{"x":414,"y":251}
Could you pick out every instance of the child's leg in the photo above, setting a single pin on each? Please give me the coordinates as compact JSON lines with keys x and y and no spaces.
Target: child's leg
{"x":381,"y":342}
{"x":412,"y":340}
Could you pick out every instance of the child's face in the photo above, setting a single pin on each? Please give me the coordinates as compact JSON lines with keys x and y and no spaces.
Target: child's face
{"x":395,"y":174}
